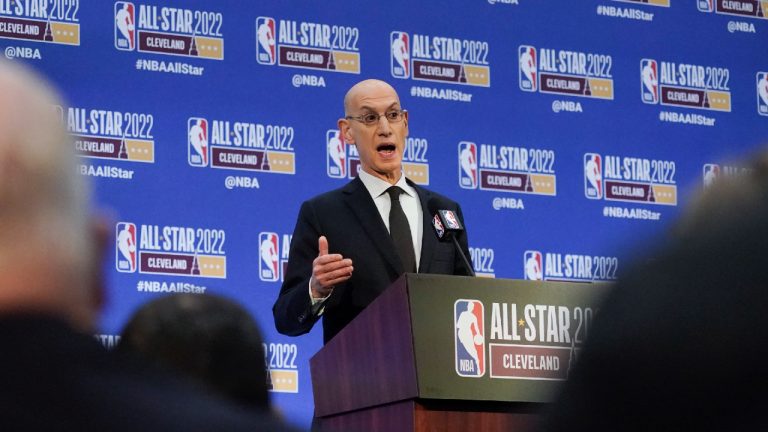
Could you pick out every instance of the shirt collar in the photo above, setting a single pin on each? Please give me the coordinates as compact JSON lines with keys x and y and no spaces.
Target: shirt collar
{"x":376,"y":186}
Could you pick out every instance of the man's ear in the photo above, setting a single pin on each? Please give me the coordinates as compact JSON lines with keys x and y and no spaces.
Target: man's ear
{"x":91,"y":293}
{"x":101,"y":235}
{"x":345,"y":131}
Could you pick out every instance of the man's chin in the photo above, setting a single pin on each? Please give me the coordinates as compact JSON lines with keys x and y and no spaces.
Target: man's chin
{"x":386,"y":172}
{"x":390,"y":163}
{"x":391,"y":168}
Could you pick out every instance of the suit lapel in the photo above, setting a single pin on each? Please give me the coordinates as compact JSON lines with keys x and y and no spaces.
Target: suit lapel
{"x":360,"y":203}
{"x":428,"y":238}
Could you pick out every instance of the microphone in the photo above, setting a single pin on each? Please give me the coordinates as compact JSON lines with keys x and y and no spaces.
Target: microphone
{"x":447,"y":225}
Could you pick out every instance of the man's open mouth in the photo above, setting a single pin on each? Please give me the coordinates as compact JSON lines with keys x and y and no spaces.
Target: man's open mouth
{"x":385,"y":148}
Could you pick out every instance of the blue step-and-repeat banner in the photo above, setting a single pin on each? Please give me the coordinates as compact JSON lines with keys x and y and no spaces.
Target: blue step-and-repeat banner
{"x":569,"y":131}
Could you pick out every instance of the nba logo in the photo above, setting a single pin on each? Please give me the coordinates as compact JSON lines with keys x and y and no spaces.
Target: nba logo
{"x":125,"y":247}
{"x":762,"y":93}
{"x":265,"y":40}
{"x":400,"y":58}
{"x":197,"y":141}
{"x":438,"y":225}
{"x":451,"y":222}
{"x":269,"y":270}
{"x":336,"y":158}
{"x":469,"y":322}
{"x":467,"y":165}
{"x":649,"y":85}
{"x":533,"y":267}
{"x":593,"y":176}
{"x":710,"y":173}
{"x":706,"y":5}
{"x":528,"y":68}
{"x":125,"y":29}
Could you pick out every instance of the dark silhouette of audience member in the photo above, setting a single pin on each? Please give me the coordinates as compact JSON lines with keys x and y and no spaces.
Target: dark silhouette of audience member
{"x":680,"y":343}
{"x":54,"y":376}
{"x":210,"y":339}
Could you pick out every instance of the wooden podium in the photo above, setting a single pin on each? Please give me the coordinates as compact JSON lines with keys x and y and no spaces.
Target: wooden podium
{"x":401,"y":365}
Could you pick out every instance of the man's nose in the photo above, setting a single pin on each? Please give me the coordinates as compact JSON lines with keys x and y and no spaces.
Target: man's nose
{"x":384,"y":128}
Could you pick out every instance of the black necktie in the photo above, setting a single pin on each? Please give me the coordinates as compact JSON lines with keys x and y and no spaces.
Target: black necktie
{"x":400,"y":231}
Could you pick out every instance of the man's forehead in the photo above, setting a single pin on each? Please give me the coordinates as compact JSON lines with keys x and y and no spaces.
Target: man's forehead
{"x":16,"y":92}
{"x":373,"y":103}
{"x":371,"y":94}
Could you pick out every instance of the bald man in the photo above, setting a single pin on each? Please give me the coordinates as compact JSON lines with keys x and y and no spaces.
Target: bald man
{"x":48,"y":244}
{"x":54,"y":374}
{"x":350,"y":244}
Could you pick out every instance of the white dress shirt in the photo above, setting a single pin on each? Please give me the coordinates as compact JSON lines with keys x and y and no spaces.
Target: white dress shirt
{"x":410,"y":202}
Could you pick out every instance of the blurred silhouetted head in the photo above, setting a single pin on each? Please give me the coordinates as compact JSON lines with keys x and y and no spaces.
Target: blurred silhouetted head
{"x":49,"y":244}
{"x":210,"y":339}
{"x":678,"y":342}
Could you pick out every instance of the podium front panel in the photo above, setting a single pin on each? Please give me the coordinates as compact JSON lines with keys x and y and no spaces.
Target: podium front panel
{"x":497,"y":339}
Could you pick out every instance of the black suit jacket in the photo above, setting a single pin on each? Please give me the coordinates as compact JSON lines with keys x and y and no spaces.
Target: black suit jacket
{"x":350,"y":220}
{"x":55,"y":379}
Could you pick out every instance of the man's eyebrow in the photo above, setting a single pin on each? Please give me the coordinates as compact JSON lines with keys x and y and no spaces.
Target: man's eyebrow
{"x":367,"y":108}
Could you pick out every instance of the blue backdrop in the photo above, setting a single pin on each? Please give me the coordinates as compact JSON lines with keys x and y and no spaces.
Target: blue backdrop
{"x":570,"y":131}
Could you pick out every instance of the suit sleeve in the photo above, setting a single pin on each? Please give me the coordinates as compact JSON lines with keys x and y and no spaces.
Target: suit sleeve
{"x":293,"y":309}
{"x":459,"y":268}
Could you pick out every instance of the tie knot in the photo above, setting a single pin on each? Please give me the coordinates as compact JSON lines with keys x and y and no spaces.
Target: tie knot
{"x":394,"y":192}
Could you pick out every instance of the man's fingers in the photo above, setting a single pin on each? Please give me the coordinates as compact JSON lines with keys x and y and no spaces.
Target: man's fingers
{"x":338,"y":276}
{"x":325,"y":259}
{"x":337,"y":268}
{"x":341,"y":272}
{"x":324,"y":263}
{"x":338,"y":280}
{"x":328,"y":276}
{"x":322,"y":245}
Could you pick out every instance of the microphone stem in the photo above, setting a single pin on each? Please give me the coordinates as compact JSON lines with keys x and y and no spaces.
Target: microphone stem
{"x":463,"y":257}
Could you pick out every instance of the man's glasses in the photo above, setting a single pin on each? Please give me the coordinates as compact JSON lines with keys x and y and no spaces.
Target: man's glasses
{"x":370,"y":119}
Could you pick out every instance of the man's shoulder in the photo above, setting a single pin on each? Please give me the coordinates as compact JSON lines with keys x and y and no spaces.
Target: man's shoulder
{"x":104,"y":390}
{"x":434,"y":198}
{"x":332,"y":196}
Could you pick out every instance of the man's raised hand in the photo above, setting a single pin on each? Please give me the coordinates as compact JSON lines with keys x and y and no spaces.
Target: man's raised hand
{"x":328,"y":270}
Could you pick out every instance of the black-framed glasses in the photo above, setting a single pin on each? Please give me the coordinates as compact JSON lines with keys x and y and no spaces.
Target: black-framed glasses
{"x":370,"y":119}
